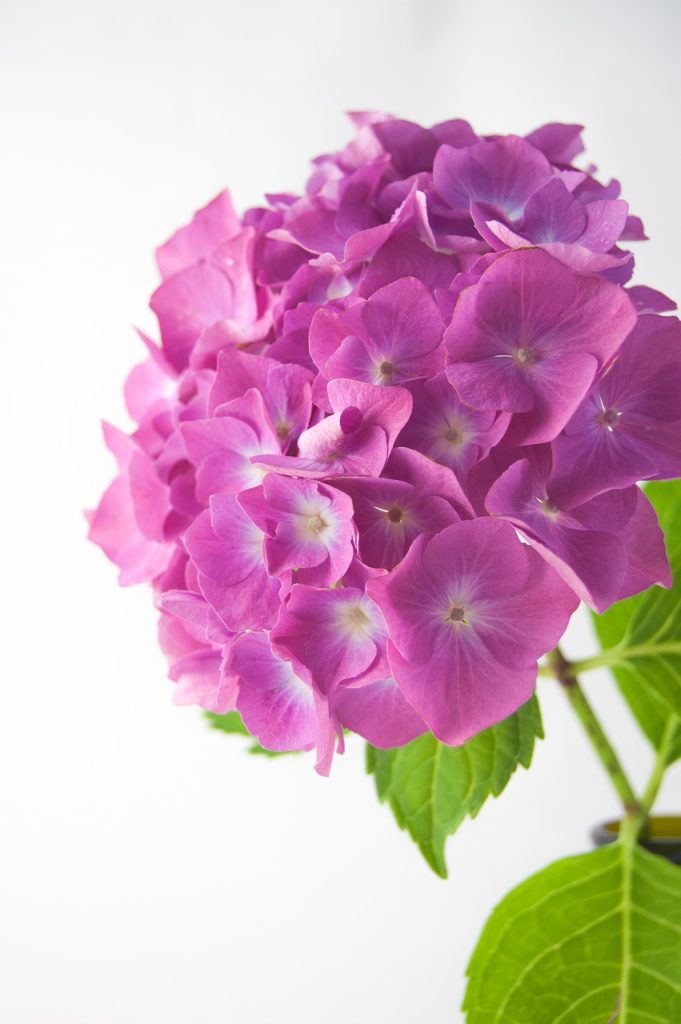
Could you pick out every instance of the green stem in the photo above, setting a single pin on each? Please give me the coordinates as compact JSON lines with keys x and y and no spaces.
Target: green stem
{"x":660,"y":766}
{"x":635,"y":824}
{"x":637,"y":811}
{"x":565,"y":673}
{"x":622,"y":653}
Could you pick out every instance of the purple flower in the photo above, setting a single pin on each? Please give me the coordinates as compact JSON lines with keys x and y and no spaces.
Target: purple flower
{"x":276,"y":705}
{"x":390,"y":514}
{"x":503,"y":173}
{"x":115,"y":526}
{"x":208,"y":229}
{"x":469,"y":612}
{"x":308,"y":528}
{"x":193,"y":641}
{"x":449,"y":431}
{"x":227,"y":549}
{"x":356,"y":439}
{"x":530,"y":339}
{"x":222,"y":446}
{"x":216,"y":292}
{"x":392,"y":434}
{"x":628,"y":428}
{"x":331,"y":636}
{"x":395,"y":336}
{"x":405,"y":256}
{"x":583,"y":543}
{"x":577,"y":234}
{"x":379,"y":712}
{"x":286,"y":390}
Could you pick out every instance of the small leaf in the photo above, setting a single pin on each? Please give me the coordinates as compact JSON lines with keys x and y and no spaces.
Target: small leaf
{"x":232,"y":723}
{"x":431,"y":787}
{"x":644,"y":635}
{"x":594,"y":939}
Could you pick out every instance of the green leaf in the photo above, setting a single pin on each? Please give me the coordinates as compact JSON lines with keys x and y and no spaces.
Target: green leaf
{"x":651,"y":713}
{"x":594,"y":939}
{"x":431,"y":787}
{"x":231,"y":723}
{"x":643,"y":635}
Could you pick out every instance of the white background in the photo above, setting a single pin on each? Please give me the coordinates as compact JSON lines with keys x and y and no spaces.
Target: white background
{"x":152,"y":873}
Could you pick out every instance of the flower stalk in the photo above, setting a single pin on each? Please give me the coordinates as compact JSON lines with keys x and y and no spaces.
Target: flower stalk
{"x":636,"y":809}
{"x":563,"y":670}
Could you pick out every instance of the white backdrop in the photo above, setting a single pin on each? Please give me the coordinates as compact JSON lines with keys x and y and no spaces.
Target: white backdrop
{"x":152,"y":873}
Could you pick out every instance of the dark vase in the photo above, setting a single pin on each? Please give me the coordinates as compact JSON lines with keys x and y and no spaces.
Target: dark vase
{"x":662,"y":836}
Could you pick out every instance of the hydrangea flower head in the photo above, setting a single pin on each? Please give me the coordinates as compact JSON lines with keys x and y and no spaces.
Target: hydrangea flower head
{"x":393,"y":433}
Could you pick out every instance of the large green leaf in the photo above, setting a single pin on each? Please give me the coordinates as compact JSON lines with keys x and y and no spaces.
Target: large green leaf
{"x":594,"y":939}
{"x":431,"y":788}
{"x":642,"y":635}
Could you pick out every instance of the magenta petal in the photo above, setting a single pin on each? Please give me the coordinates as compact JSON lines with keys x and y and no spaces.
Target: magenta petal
{"x":150,"y":497}
{"x":114,"y":528}
{"x":187,"y":303}
{"x":629,"y":426}
{"x":387,"y":407}
{"x":402,"y":326}
{"x":493,"y":384}
{"x":449,"y":431}
{"x":410,"y":146}
{"x":472,"y":691}
{"x":578,"y":558}
{"x":251,"y":603}
{"x":276,"y":705}
{"x":605,"y":221}
{"x":379,"y":713}
{"x":553,"y":215}
{"x":330,"y":636}
{"x":285,"y":390}
{"x":222,"y":447}
{"x":648,"y":300}
{"x":209,"y":227}
{"x":405,"y":255}
{"x":559,"y":385}
{"x":114,"y":524}
{"x":230,"y":557}
{"x":390,"y":514}
{"x":505,"y":173}
{"x":530,"y":337}
{"x":196,"y":615}
{"x":227,"y":549}
{"x":328,"y":450}
{"x":199,"y":679}
{"x":582,"y":545}
{"x":308,"y":526}
{"x":453,"y":606}
{"x":643,"y":540}
{"x":327,"y":332}
{"x":356,"y":439}
{"x":416,"y":468}
{"x":560,"y":143}
{"x":147,"y":384}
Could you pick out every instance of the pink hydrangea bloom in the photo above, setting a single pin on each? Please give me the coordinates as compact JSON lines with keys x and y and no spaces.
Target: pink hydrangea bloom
{"x":469,"y":610}
{"x":393,"y":433}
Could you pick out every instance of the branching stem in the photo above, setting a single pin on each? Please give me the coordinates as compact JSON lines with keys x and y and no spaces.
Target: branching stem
{"x":636,"y":811}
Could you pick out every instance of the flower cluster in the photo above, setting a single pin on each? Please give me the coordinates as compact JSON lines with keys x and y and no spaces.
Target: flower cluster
{"x":392,"y":436}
